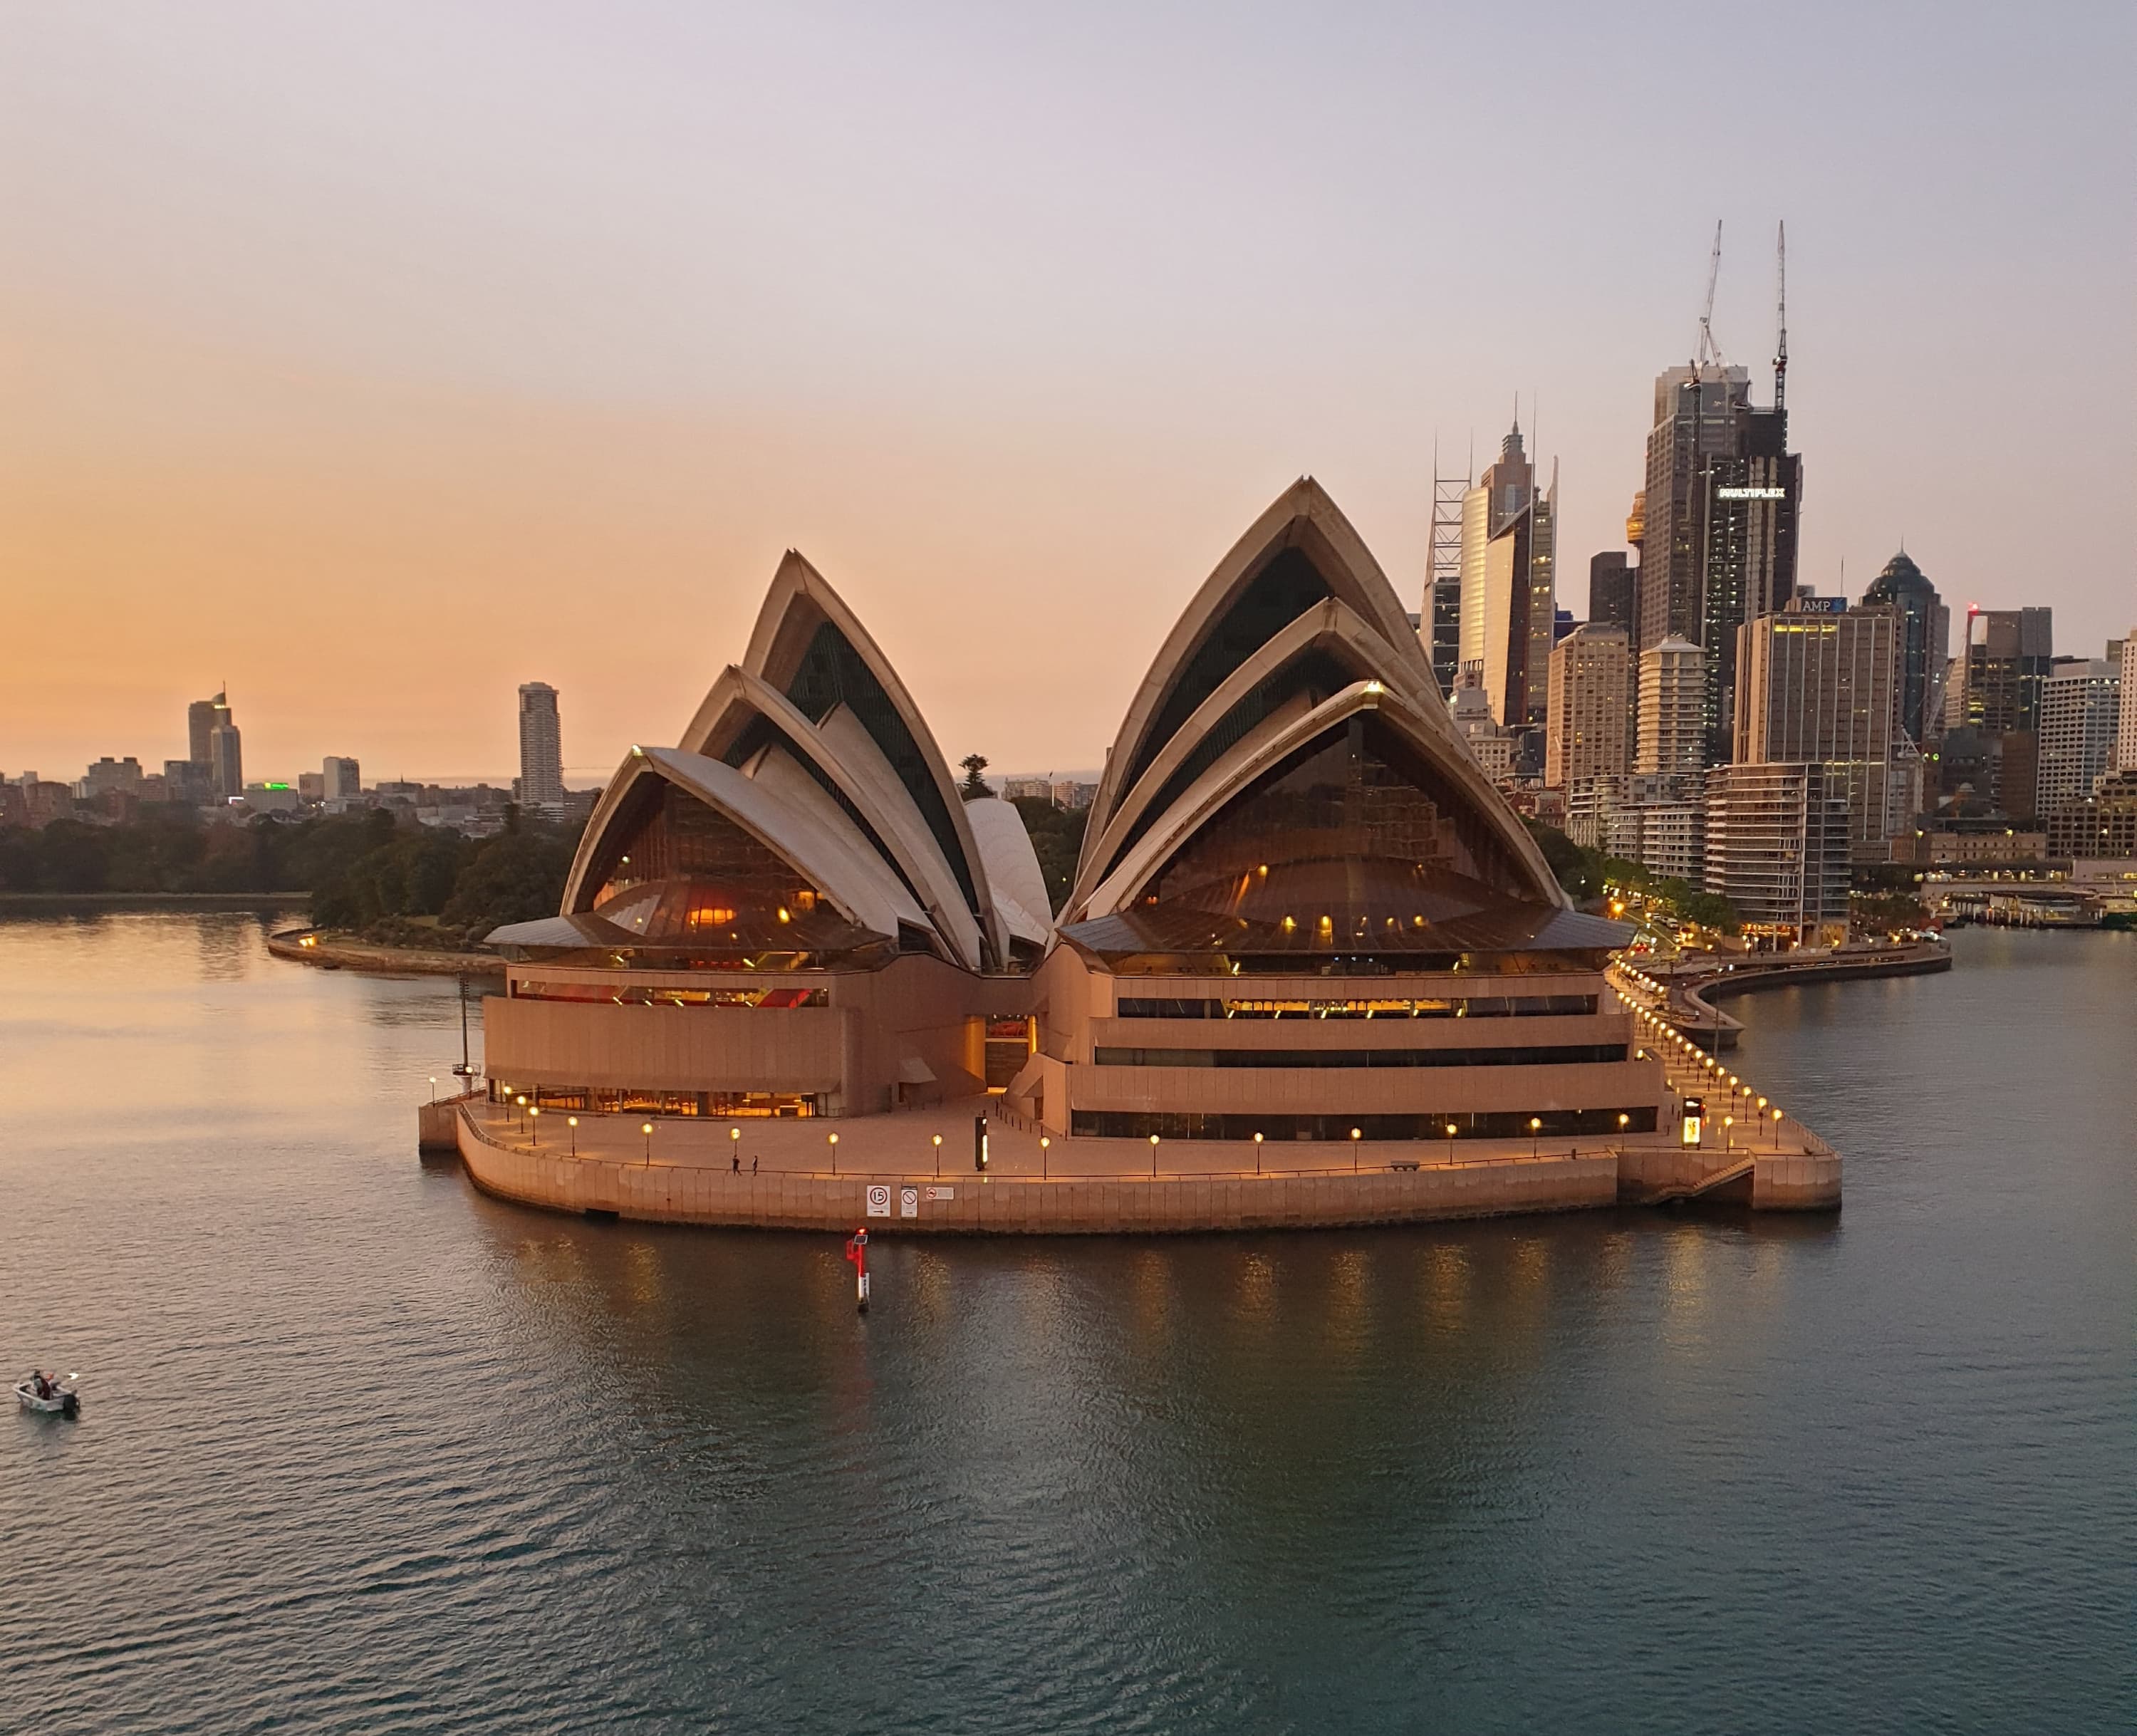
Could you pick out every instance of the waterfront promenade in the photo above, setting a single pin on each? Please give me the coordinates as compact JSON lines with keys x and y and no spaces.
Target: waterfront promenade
{"x":793,"y":1175}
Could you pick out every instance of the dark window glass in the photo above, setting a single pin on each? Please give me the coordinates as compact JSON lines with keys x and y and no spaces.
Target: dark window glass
{"x":832,"y":674}
{"x":1542,"y":1055}
{"x":1351,"y":842}
{"x":1314,"y":674}
{"x":677,"y":871}
{"x":1285,"y":588}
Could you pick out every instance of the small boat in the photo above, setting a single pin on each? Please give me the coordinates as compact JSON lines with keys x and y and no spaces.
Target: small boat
{"x":57,"y":1399}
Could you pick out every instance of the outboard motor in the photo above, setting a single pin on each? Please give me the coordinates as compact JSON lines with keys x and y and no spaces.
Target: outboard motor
{"x":70,"y":1406}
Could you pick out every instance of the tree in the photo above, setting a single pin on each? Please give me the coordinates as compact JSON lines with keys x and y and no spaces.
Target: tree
{"x":975,"y":786}
{"x":1057,"y":839}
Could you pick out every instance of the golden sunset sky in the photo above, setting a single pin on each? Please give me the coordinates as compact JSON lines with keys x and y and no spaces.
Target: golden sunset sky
{"x":377,"y":358}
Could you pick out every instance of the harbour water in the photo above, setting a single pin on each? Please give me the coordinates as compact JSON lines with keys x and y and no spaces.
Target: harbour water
{"x":363,"y":1451}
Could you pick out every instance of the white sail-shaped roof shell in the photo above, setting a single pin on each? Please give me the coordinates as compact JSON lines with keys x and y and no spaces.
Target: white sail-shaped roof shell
{"x":1358,"y":622}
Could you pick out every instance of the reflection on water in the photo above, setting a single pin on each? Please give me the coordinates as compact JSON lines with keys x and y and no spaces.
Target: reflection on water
{"x":365,"y":1450}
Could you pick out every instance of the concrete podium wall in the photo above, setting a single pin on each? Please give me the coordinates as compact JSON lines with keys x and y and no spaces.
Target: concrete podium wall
{"x":695,"y":1195}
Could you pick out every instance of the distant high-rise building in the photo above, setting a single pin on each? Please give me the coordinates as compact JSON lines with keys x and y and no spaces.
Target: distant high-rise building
{"x":341,"y":779}
{"x":1718,"y":542}
{"x":1777,"y":849}
{"x":1817,"y":683}
{"x":1585,"y":734}
{"x":1610,"y":591}
{"x":200,"y":730}
{"x":1925,"y":643}
{"x":2081,"y":707}
{"x":541,"y":746}
{"x":2003,"y":676}
{"x":2125,"y":734}
{"x":225,"y":752}
{"x":1672,"y":735}
{"x":2004,"y":668}
{"x":1509,"y":587}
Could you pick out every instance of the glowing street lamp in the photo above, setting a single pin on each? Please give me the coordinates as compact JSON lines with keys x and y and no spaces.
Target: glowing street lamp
{"x":1450,"y":1142}
{"x":938,"y":1157}
{"x":534,"y":1116}
{"x":834,"y":1140}
{"x":1043,"y":1142}
{"x":647,"y":1130}
{"x":1153,"y":1157}
{"x":571,"y":1121}
{"x":1536,"y":1135}
{"x":1355,"y":1137}
{"x":1257,"y":1153}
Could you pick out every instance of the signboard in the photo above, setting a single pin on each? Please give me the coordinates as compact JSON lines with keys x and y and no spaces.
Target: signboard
{"x":909,"y":1202}
{"x":879,"y":1201}
{"x":1751,"y":493}
{"x":1818,"y":606}
{"x":1695,"y":1111}
{"x":934,"y":1194}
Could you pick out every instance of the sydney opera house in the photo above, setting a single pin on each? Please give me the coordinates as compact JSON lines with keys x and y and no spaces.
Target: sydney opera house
{"x":1301,"y":909}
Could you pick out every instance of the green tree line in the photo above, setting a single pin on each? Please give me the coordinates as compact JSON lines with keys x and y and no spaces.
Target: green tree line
{"x":367,"y":872}
{"x":1584,"y":873}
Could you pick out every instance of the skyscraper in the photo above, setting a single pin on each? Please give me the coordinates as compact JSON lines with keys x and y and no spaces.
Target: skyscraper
{"x":541,"y":746}
{"x":1509,"y":587}
{"x":1672,"y":737}
{"x":226,"y":754}
{"x":1817,"y":682}
{"x":1718,"y":544}
{"x":2080,"y":707}
{"x":1610,"y":591}
{"x":2125,"y":734}
{"x":1585,"y":737}
{"x":1925,"y":643}
{"x":2003,"y":675}
{"x":200,"y":727}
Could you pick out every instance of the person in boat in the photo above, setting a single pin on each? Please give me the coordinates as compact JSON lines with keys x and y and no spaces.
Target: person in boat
{"x":44,"y":1387}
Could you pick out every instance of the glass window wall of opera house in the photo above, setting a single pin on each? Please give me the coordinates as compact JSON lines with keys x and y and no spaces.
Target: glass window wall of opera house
{"x":1297,"y":892}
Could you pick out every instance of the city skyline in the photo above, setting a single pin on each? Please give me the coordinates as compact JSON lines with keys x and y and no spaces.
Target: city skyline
{"x":279,"y":377}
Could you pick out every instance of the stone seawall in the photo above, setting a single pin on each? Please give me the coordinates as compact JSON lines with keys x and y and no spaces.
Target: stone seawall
{"x":692,"y":1193}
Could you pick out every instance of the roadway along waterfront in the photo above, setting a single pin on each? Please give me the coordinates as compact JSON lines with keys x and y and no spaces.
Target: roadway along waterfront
{"x":366,"y":1451}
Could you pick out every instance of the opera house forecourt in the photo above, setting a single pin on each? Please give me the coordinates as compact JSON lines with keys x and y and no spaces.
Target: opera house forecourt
{"x":1312,"y":969}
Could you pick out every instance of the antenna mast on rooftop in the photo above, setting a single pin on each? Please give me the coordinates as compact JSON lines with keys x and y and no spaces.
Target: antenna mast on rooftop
{"x":1781,"y":317}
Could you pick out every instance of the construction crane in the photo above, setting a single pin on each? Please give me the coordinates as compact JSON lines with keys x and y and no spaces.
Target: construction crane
{"x":1781,"y":317}
{"x":1709,"y":352}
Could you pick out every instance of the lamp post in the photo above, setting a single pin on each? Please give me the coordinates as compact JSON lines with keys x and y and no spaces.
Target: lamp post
{"x":647,"y":1130}
{"x":534,"y":1117}
{"x":1777,"y":1130}
{"x":834,"y":1141}
{"x":1043,"y":1142}
{"x":1624,"y":1121}
{"x":1728,"y":1122}
{"x":1153,"y":1157}
{"x":1257,"y":1153}
{"x":734,"y":1150}
{"x":1536,"y":1135}
{"x":571,"y":1121}
{"x":523,"y":1112}
{"x":1450,"y":1142}
{"x":1356,"y":1134}
{"x":938,"y":1157}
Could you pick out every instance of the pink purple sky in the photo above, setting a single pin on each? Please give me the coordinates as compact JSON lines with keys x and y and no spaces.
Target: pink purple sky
{"x":377,"y":359}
